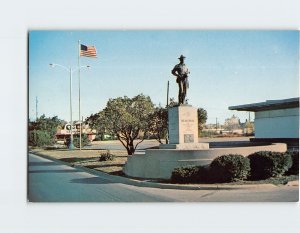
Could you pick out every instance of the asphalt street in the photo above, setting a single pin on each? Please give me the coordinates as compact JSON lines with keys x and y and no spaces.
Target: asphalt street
{"x":116,"y":145}
{"x":49,"y":181}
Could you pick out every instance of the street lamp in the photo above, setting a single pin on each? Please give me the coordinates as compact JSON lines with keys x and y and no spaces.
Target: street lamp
{"x":71,"y":71}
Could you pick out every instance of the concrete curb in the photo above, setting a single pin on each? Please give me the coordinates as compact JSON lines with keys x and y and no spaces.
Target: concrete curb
{"x":151,"y":184}
{"x":293,"y":183}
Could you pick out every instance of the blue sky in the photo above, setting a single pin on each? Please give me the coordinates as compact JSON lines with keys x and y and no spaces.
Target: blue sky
{"x":227,"y":68}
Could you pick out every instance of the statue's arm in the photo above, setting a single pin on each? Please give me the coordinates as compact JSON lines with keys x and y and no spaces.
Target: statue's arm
{"x":174,"y":72}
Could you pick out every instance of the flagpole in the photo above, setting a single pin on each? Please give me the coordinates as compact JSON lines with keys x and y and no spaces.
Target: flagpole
{"x":79,"y":118}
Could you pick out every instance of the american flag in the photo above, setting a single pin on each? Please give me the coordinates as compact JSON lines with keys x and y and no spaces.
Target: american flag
{"x":88,"y":51}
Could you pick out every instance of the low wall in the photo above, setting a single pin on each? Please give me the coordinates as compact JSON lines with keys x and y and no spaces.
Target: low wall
{"x":159,"y":163}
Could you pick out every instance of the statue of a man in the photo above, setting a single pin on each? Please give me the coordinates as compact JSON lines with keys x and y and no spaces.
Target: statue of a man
{"x":181,"y":72}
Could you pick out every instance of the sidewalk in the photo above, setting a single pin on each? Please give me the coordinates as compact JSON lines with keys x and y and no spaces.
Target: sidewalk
{"x":153,"y":184}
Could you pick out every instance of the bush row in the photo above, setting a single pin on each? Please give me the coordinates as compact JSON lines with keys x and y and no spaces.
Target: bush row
{"x":40,"y":138}
{"x":266,"y":164}
{"x":233,"y":167}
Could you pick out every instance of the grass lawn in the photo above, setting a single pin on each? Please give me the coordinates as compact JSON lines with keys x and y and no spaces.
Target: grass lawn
{"x":88,"y":158}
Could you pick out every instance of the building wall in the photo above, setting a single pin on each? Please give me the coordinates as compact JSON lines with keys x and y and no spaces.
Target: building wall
{"x":282,"y":123}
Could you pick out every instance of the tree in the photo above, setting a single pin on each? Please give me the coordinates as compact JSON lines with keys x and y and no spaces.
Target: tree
{"x":202,"y":117}
{"x":97,"y":121}
{"x":128,"y":118}
{"x":42,"y":131}
{"x":158,"y":123}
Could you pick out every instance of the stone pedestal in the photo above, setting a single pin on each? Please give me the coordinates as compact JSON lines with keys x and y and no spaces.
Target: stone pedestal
{"x":183,"y":124}
{"x":183,"y":129}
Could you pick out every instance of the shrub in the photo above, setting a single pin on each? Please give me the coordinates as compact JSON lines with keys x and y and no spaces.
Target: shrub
{"x":294,"y":170}
{"x":191,"y":174}
{"x":40,"y":138}
{"x":107,"y":156}
{"x":184,"y":174}
{"x":266,"y":164}
{"x":84,"y":140}
{"x":228,"y":168}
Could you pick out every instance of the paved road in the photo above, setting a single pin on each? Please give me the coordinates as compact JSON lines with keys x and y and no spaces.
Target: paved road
{"x":49,"y":181}
{"x":116,"y":145}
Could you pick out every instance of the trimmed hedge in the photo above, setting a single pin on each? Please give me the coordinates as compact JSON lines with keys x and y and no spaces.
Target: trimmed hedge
{"x":234,"y":167}
{"x":192,"y":174}
{"x":294,"y":170}
{"x":225,"y":168}
{"x":228,"y":168}
{"x":184,"y":174}
{"x":266,"y":164}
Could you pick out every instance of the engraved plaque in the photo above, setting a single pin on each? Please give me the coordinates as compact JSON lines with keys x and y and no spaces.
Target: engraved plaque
{"x":188,"y":138}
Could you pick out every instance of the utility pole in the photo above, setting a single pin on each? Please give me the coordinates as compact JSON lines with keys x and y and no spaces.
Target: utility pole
{"x":36,"y":108}
{"x":79,"y":117}
{"x":168,"y":95}
{"x":167,"y":136}
{"x":216,"y":124}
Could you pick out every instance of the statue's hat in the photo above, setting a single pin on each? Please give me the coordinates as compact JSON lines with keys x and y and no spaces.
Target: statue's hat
{"x":181,"y":57}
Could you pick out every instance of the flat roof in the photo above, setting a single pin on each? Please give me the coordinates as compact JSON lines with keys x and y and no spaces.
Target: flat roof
{"x":268,"y":105}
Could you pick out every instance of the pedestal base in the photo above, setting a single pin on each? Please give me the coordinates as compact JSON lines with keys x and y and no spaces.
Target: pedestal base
{"x":183,"y":124}
{"x":159,"y":163}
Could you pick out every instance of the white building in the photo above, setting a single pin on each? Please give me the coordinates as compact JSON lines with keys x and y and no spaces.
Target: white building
{"x":232,"y":123}
{"x":275,"y":120}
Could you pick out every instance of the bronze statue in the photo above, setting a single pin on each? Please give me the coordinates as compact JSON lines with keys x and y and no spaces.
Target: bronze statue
{"x":181,"y":72}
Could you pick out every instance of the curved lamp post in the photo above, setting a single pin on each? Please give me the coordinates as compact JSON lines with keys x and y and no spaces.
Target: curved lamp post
{"x":71,"y":71}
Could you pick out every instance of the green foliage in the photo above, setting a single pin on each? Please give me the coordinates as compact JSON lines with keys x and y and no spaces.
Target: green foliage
{"x":266,"y":164}
{"x":40,"y":138}
{"x":228,"y":168}
{"x":97,"y":121}
{"x":107,"y":156}
{"x":191,"y":174}
{"x":84,"y":140}
{"x":202,"y":118}
{"x":98,"y":137}
{"x":185,"y":174}
{"x":158,"y":123}
{"x":294,"y":170}
{"x":48,"y":124}
{"x":208,"y":134}
{"x":42,"y":131}
{"x":232,"y":167}
{"x":127,"y":118}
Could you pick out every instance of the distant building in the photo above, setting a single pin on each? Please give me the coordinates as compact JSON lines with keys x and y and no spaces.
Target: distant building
{"x":232,"y":123}
{"x":248,"y":128}
{"x":275,"y":120}
{"x":62,"y":133}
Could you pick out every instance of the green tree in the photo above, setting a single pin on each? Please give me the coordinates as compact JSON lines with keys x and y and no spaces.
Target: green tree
{"x":202,"y":118}
{"x":158,"y":123}
{"x":128,"y":118}
{"x":42,"y":131}
{"x":97,"y":121}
